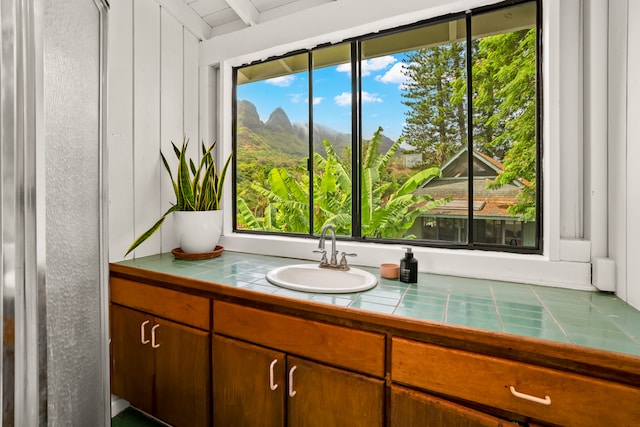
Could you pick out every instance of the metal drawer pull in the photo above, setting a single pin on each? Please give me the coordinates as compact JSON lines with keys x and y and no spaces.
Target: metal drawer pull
{"x":545,"y":401}
{"x":272,"y":385}
{"x":292,"y":392}
{"x":153,"y":336}
{"x":143,"y":340}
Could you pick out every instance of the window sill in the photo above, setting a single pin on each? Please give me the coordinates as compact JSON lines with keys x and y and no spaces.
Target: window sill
{"x":532,"y":269}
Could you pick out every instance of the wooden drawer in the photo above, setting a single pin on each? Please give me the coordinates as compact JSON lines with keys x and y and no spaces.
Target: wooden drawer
{"x":564,"y":398}
{"x":184,"y":308}
{"x":337,"y":345}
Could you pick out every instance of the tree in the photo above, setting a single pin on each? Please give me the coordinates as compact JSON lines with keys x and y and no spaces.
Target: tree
{"x":385,"y":214}
{"x":504,"y":107}
{"x":512,"y":57}
{"x":436,"y":120}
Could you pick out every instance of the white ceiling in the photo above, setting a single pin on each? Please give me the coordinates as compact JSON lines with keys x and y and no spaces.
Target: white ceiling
{"x":225,"y":16}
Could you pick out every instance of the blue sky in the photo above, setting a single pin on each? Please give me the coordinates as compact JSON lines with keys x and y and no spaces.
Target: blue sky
{"x":382,"y":80}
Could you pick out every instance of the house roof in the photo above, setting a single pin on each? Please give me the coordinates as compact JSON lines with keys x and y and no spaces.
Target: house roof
{"x":487,"y":202}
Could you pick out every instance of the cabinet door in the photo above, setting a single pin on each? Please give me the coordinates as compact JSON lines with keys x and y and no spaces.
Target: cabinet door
{"x":182,"y":380}
{"x":248,"y":384}
{"x":132,"y":363}
{"x":410,"y":408}
{"x":323,"y":396}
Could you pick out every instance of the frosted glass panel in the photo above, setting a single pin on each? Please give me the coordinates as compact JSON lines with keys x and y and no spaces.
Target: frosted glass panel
{"x":72,"y":141}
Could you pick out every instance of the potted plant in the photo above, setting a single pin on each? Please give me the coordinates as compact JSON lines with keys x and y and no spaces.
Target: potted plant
{"x":198,"y":218}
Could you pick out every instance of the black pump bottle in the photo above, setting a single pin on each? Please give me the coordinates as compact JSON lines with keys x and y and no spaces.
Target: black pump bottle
{"x":409,"y":268}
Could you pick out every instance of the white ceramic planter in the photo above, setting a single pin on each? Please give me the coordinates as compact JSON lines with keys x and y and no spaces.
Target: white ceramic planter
{"x":197,"y":231}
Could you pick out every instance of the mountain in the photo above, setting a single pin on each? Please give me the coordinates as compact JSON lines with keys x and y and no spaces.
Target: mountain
{"x":278,"y":138}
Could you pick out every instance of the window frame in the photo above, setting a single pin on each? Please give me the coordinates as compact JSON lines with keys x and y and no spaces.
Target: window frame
{"x":356,"y":134}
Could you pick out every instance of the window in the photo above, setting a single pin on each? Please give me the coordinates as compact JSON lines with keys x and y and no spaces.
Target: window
{"x":390,"y":136}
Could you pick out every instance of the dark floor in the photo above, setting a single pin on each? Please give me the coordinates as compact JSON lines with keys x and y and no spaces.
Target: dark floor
{"x":133,"y":418}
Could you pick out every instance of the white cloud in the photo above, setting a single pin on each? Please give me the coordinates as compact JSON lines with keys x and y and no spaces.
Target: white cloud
{"x":344,"y":68}
{"x":317,"y":100}
{"x":283,"y":81}
{"x":344,"y":99}
{"x":370,"y":97}
{"x":296,"y":97}
{"x":369,"y":65}
{"x":377,"y":64}
{"x":395,"y":76}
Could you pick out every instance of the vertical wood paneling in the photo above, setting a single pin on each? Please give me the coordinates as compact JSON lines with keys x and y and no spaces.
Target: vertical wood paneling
{"x":146,"y":116}
{"x":153,"y":100}
{"x":191,"y":88}
{"x":120,"y":129}
{"x":571,"y":118}
{"x":633,"y":155}
{"x":171,"y":111}
{"x":617,"y":129}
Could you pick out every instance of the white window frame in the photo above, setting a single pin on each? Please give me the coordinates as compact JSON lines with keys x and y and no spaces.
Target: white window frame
{"x":566,"y":258}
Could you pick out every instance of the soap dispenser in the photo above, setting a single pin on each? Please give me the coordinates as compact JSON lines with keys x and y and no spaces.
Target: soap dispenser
{"x":408,"y":267}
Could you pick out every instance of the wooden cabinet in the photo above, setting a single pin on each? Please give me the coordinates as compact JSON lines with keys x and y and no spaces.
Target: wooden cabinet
{"x":241,"y":358}
{"x":286,"y":389}
{"x":248,"y":384}
{"x":537,"y":393}
{"x":411,"y":408}
{"x":160,"y":366}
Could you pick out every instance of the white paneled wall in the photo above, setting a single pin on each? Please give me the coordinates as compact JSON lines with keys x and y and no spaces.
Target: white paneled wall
{"x":153,"y":100}
{"x":633,"y":157}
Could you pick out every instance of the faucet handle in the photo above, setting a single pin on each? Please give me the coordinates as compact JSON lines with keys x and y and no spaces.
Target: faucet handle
{"x":324,"y":255}
{"x":343,"y":260}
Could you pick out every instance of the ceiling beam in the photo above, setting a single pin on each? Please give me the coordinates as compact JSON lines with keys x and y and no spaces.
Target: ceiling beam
{"x":245,"y":10}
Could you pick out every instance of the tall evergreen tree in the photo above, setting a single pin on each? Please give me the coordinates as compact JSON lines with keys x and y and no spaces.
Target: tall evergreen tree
{"x":436,"y":121}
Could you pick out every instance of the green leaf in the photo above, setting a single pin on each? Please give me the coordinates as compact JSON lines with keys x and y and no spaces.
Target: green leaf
{"x":144,"y":236}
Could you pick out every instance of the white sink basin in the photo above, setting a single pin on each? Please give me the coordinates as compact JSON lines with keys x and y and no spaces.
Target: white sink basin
{"x":312,"y":278}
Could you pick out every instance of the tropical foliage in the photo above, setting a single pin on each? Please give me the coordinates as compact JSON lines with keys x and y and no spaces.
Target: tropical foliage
{"x":196,"y":188}
{"x":388,"y":209}
{"x":504,"y":106}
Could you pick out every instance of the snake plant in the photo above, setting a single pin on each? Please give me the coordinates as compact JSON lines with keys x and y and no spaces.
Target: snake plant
{"x":196,"y":188}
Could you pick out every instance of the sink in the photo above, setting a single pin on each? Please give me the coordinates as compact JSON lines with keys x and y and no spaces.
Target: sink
{"x":312,"y":278}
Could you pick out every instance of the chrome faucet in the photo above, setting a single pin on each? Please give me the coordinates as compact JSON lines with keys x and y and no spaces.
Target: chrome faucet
{"x":333,"y":261}
{"x":334,"y":252}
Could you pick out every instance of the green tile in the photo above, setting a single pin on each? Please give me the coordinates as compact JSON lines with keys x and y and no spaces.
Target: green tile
{"x":609,"y":304}
{"x":260,"y":287}
{"x":523,"y":321}
{"x":369,"y":306}
{"x":527,"y":314}
{"x":593,"y":333}
{"x":130,"y":417}
{"x":524,"y":306}
{"x":493,"y":325}
{"x":552,"y":333}
{"x":468,"y":306}
{"x":289,"y":293}
{"x":377,"y":299}
{"x":471,"y":299}
{"x":595,"y":319}
{"x":436,"y":316}
{"x":332,"y":299}
{"x":613,"y":342}
{"x":432,"y":305}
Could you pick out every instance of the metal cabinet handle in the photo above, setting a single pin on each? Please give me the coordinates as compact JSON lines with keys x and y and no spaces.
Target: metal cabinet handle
{"x":153,"y":336}
{"x":545,"y":401}
{"x":143,"y":340}
{"x":292,"y":392}
{"x":272,"y":385}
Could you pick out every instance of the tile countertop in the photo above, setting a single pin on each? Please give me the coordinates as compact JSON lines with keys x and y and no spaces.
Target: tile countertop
{"x":591,"y":319}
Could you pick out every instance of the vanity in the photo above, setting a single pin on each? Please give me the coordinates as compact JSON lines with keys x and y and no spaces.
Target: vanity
{"x":212,"y":343}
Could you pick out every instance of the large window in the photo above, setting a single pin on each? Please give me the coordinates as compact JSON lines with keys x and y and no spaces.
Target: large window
{"x":428,"y":133}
